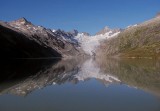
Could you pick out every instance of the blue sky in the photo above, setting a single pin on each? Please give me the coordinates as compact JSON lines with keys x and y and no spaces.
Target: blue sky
{"x":83,"y":15}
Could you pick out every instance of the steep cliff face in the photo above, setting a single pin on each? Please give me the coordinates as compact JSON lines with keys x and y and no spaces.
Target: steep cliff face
{"x":22,"y":39}
{"x":142,"y":40}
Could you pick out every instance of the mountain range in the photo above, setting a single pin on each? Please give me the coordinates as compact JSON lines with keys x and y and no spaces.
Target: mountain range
{"x":22,"y":39}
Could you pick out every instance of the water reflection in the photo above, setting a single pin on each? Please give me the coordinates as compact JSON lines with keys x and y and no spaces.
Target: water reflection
{"x":28,"y":75}
{"x":139,"y":73}
{"x":20,"y":77}
{"x":36,"y":74}
{"x":80,"y":84}
{"x":16,"y":72}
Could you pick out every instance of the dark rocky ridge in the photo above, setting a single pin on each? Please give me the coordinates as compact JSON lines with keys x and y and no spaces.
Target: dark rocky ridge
{"x":22,"y":39}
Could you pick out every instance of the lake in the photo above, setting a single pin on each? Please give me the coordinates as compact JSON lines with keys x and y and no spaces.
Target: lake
{"x":80,"y":85}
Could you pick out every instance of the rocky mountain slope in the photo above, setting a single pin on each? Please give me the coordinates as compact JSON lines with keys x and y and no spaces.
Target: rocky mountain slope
{"x":142,"y":40}
{"x":22,"y":39}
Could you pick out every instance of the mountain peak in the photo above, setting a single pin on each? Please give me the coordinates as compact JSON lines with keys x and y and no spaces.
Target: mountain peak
{"x":74,"y":32}
{"x":158,"y":14}
{"x":104,"y":30}
{"x":86,"y":33}
{"x":22,"y":21}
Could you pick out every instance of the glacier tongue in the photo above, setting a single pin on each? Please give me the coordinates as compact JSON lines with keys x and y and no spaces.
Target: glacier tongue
{"x":90,"y":43}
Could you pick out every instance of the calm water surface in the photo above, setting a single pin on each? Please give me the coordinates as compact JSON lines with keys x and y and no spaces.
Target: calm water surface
{"x":80,"y":85}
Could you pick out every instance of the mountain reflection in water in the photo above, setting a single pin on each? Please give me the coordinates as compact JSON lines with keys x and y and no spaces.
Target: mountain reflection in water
{"x":80,"y":84}
{"x":139,"y":73}
{"x":21,"y":79}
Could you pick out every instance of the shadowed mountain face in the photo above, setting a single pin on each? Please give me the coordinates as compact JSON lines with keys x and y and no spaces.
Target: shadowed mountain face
{"x":22,"y":39}
{"x":17,"y":45}
{"x":140,"y":73}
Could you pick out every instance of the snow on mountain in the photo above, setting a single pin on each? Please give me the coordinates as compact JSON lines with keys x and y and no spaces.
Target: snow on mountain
{"x":53,"y":30}
{"x":132,"y":26}
{"x":90,"y":43}
{"x":67,"y":36}
{"x":77,"y":40}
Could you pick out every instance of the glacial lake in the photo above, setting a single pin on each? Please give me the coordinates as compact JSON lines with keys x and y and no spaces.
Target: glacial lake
{"x":80,"y":85}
